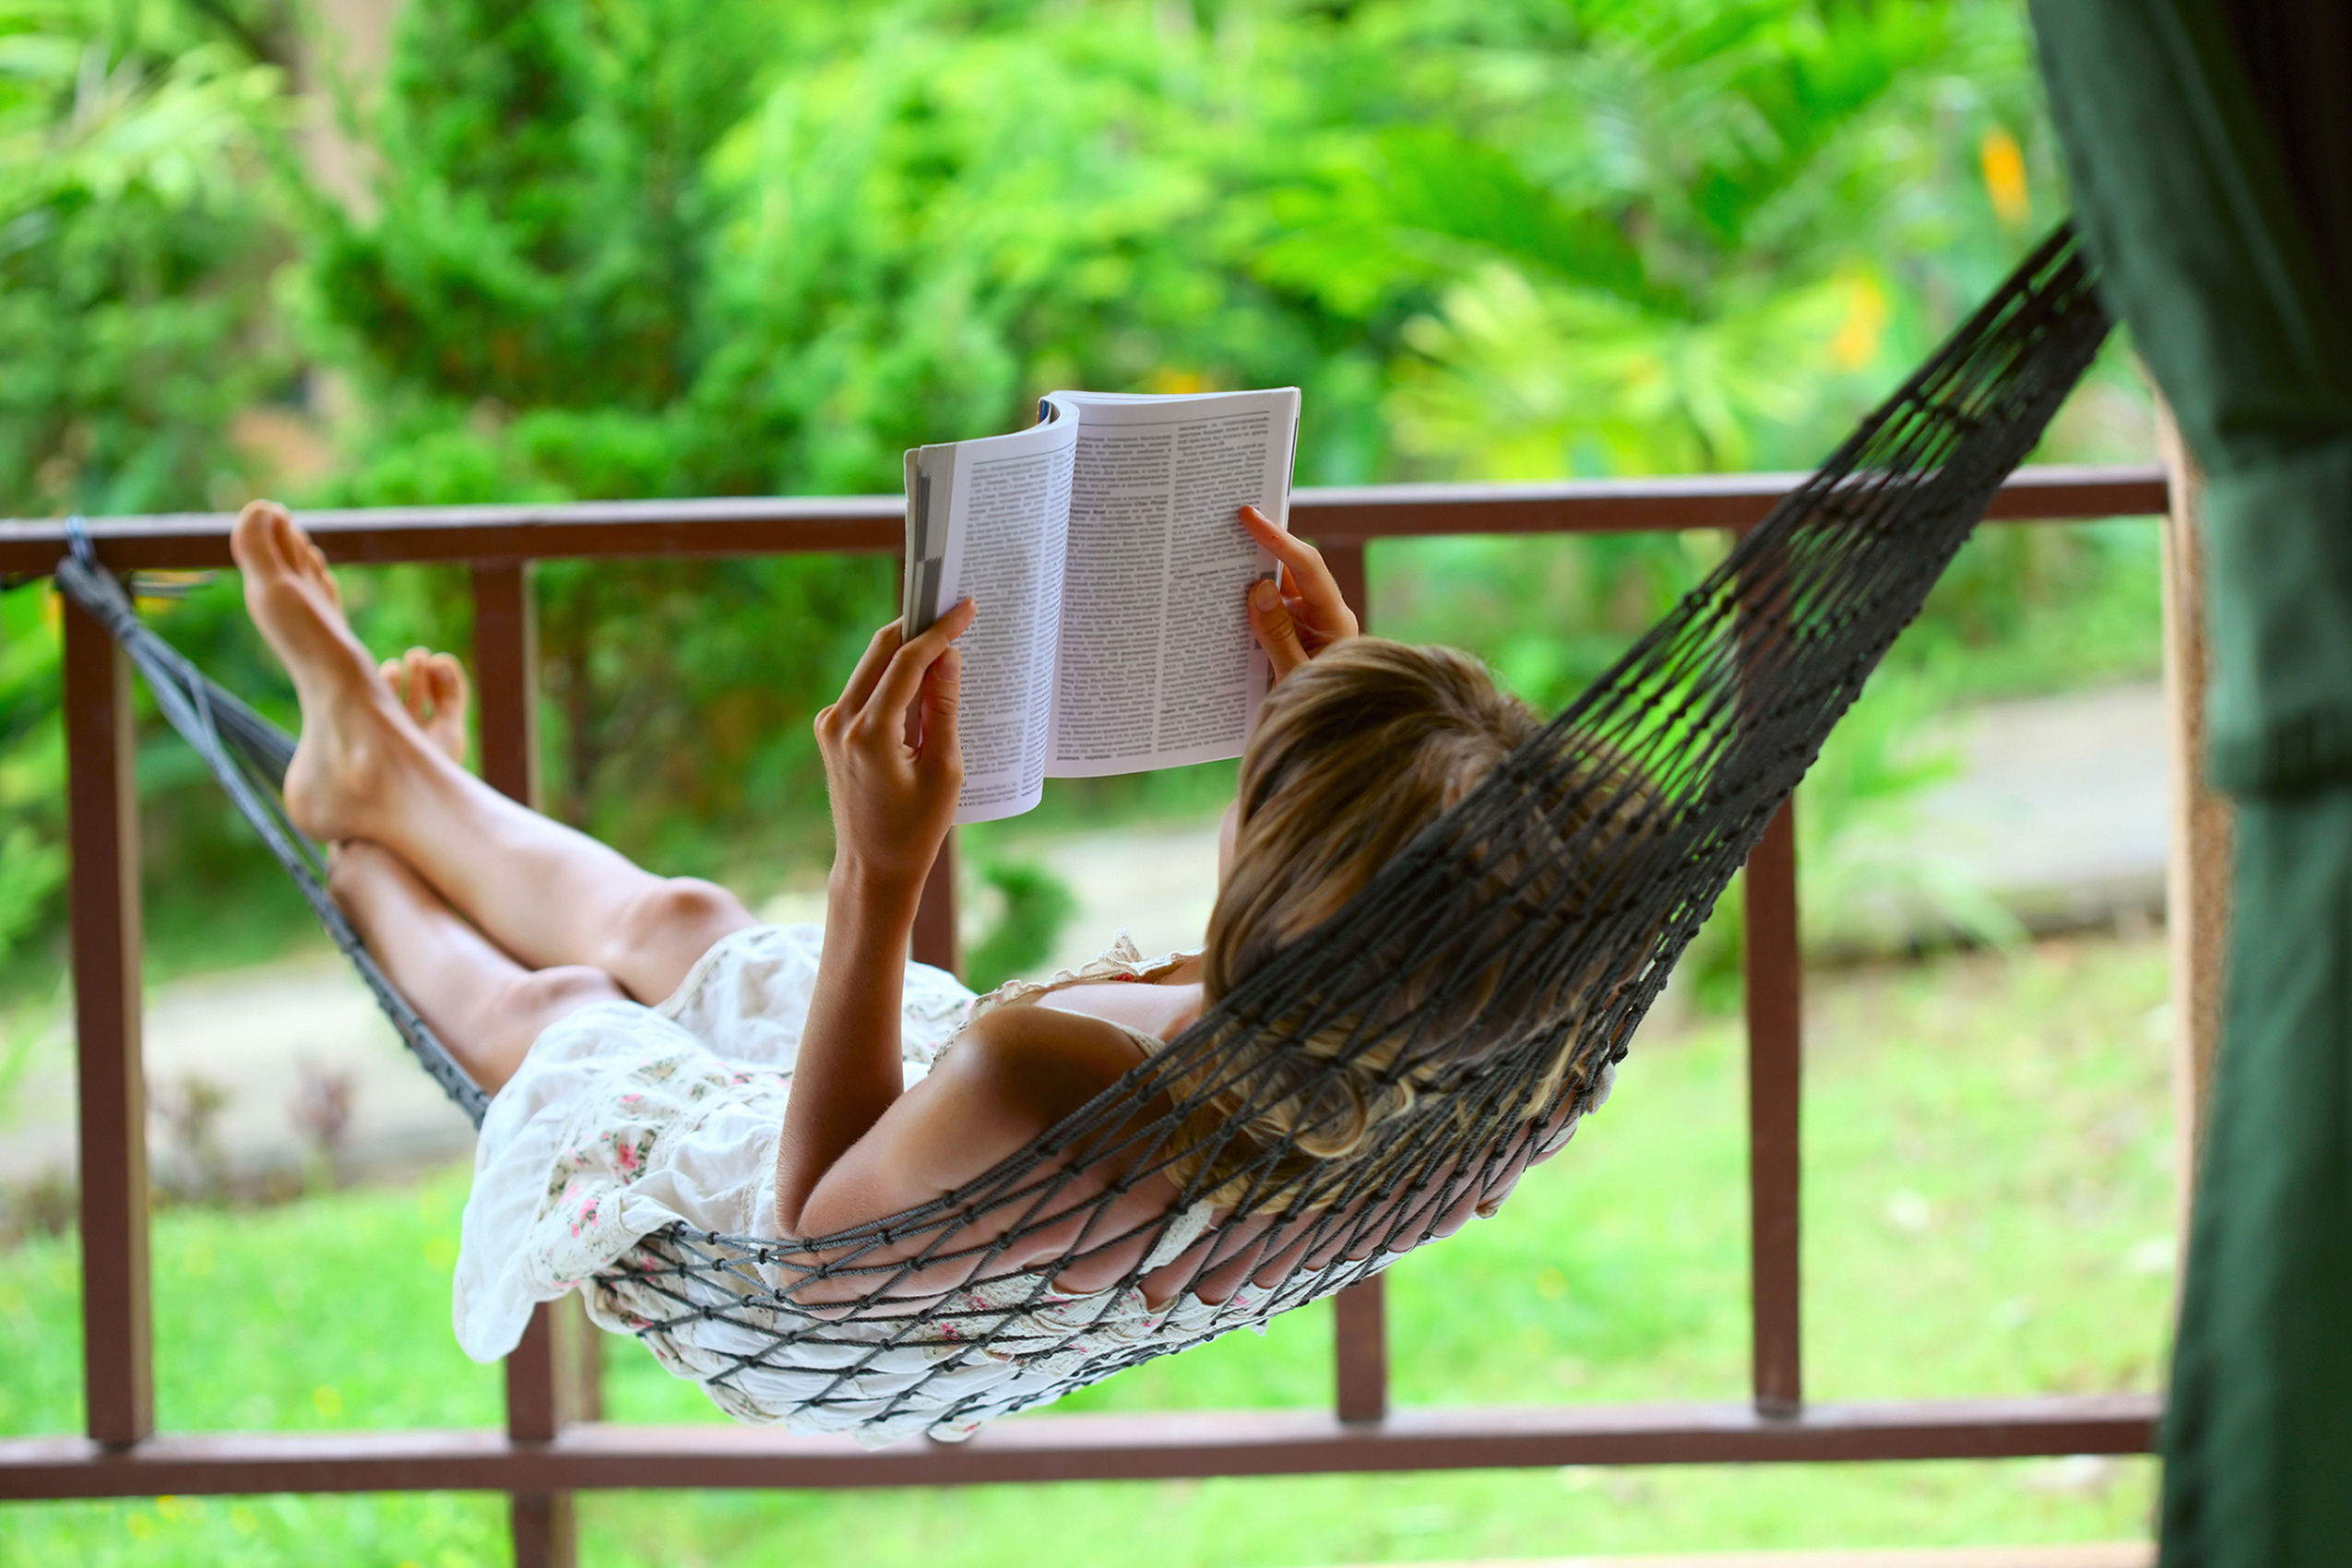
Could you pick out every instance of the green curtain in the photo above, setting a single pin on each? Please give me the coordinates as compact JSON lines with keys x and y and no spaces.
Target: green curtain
{"x":2210,"y":144}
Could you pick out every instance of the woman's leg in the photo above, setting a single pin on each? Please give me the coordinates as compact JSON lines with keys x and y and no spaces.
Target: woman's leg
{"x":548,"y":895}
{"x":486,"y":1008}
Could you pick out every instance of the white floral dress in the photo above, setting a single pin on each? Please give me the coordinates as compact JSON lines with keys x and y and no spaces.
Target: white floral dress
{"x":624,"y":1120}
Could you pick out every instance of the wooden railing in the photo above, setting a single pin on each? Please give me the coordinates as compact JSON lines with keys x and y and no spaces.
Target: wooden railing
{"x":553,"y":1444}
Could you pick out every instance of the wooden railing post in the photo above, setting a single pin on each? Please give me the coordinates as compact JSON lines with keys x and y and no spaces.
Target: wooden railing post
{"x":1360,"y":1317}
{"x":933,"y":939}
{"x":506,"y":679}
{"x":118,"y":1368}
{"x":1351,"y":568}
{"x":1360,"y":1313}
{"x":551,"y":1376}
{"x":1776,"y":1082}
{"x":2197,"y":863}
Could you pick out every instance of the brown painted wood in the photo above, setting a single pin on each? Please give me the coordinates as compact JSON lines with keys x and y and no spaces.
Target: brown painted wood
{"x":118,"y":1367}
{"x":1698,"y":501}
{"x":534,"y":1380}
{"x":553,"y":1379}
{"x":876,"y":524}
{"x":1352,"y":570}
{"x":1776,"y":1070}
{"x":506,"y":679}
{"x":549,"y":1375}
{"x":605,"y":530}
{"x":933,"y":939}
{"x":1360,"y":1318}
{"x":1047,"y":1448}
{"x":546,"y":1529}
{"x":1359,"y":1314}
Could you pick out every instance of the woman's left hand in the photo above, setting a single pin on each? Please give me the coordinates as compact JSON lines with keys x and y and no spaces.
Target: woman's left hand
{"x":1305,"y":613}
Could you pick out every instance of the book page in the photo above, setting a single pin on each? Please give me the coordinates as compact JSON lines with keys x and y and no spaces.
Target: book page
{"x":1157,"y":666}
{"x":987,"y":521}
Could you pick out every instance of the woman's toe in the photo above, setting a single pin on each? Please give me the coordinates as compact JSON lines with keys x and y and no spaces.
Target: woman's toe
{"x":315,"y":566}
{"x":449,"y":690}
{"x":253,"y":541}
{"x":423,"y":701}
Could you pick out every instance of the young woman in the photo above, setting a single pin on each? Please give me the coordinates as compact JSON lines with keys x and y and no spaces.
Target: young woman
{"x":657,"y":1055}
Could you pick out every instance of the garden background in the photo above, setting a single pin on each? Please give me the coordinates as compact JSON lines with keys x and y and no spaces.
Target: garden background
{"x":453,"y":251}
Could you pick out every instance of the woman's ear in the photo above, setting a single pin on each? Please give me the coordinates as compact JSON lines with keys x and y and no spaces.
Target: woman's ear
{"x":1227,"y":832}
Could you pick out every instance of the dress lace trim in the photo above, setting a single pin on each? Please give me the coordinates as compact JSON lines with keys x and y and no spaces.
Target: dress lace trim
{"x":1123,"y":960}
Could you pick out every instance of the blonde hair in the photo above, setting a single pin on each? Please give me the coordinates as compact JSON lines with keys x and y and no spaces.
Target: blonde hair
{"x":1355,"y":754}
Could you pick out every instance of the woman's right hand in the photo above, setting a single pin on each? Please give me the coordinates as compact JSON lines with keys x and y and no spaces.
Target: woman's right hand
{"x":893,"y":800}
{"x":1306,"y":613}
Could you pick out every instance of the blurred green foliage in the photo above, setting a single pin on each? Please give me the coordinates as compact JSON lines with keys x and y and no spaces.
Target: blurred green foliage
{"x":646,"y":247}
{"x":1037,"y":904}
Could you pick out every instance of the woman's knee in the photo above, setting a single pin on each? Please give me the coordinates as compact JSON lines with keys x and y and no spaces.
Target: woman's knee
{"x":670,"y":925}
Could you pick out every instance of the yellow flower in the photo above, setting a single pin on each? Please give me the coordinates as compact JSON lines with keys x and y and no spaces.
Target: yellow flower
{"x":2004,"y":171}
{"x":1856,"y":342}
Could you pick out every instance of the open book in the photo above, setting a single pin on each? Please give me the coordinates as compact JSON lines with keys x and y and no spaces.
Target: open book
{"x":1113,"y":579}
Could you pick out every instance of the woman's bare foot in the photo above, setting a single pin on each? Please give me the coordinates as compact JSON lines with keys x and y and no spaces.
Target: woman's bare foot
{"x":353,"y":727}
{"x":432,"y":688}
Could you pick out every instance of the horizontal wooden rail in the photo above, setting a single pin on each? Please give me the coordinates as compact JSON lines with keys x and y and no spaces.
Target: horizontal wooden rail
{"x":2055,"y":493}
{"x":542,"y":1457}
{"x":1059,"y":1448}
{"x":875,"y":524}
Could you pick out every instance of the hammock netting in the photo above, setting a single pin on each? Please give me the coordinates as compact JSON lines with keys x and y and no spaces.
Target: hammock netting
{"x":1453,"y":1019}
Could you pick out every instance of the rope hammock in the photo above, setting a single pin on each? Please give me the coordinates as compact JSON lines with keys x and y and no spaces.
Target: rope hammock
{"x":1449,"y":1023}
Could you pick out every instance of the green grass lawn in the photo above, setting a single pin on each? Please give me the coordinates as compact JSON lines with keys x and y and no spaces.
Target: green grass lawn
{"x":1988,"y":1209}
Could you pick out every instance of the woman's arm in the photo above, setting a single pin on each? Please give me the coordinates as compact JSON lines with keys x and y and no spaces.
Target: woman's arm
{"x":892,"y":801}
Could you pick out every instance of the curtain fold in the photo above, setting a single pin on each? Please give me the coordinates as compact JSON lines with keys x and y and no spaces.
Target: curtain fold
{"x":2210,"y":145}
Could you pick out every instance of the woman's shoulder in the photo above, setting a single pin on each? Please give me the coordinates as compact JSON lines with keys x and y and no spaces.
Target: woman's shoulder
{"x":1031,"y":1066}
{"x":1013,"y":1075}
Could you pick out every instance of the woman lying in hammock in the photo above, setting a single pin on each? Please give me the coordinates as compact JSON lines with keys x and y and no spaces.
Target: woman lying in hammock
{"x":658,"y":1055}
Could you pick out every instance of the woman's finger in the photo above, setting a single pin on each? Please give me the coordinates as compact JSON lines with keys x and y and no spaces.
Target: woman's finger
{"x":942,"y":755}
{"x":1306,"y":573}
{"x":1275,"y":631}
{"x":1304,"y":615}
{"x":871,"y":663}
{"x":902,"y":675}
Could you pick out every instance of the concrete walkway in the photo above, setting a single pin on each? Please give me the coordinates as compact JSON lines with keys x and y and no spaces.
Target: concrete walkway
{"x":277,"y":1069}
{"x":2058,"y":813}
{"x":2060,"y":808}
